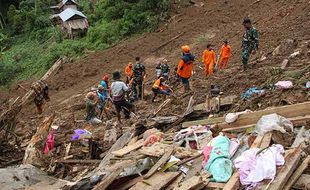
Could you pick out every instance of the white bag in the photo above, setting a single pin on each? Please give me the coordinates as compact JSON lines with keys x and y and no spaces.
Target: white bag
{"x":273,"y":122}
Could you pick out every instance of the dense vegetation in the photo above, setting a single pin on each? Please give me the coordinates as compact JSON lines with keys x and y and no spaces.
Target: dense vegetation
{"x":30,"y":43}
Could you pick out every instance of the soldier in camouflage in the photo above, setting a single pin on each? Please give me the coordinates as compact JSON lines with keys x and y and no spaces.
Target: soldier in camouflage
{"x":138,"y":76}
{"x":249,"y":42}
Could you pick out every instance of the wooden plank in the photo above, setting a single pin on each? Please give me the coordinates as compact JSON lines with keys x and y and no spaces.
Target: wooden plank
{"x":190,"y":184}
{"x":128,"y":149}
{"x":176,"y":182}
{"x":130,"y":183}
{"x":292,"y":158}
{"x":303,"y":182}
{"x":266,"y":140}
{"x":304,"y":165}
{"x":159,"y":181}
{"x":104,"y":184}
{"x":212,"y":103}
{"x":234,"y":181}
{"x":290,"y":111}
{"x":214,"y":185}
{"x":297,"y":121}
{"x":78,"y":161}
{"x":160,"y":162}
{"x":158,"y":149}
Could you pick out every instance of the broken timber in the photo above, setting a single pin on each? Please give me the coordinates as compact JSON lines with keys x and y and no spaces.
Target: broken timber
{"x":290,"y":111}
{"x":128,"y":148}
{"x":160,"y":162}
{"x":166,"y":43}
{"x":304,"y":165}
{"x":159,"y":181}
{"x":303,"y":182}
{"x":292,"y":158}
{"x":192,"y":183}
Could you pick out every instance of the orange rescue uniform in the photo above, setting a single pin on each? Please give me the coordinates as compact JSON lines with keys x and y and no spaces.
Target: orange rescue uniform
{"x":209,"y":59}
{"x":225,"y":55}
{"x":128,"y":71}
{"x":185,"y":69}
{"x":159,"y":85}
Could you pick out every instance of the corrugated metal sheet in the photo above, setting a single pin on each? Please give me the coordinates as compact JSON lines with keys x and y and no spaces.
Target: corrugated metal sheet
{"x":68,"y":13}
{"x":65,"y":1}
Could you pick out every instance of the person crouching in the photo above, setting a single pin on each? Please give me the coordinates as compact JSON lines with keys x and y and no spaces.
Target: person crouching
{"x":159,"y":87}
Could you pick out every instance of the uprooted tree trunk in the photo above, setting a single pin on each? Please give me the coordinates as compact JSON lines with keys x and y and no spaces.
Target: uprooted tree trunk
{"x":8,"y":117}
{"x":33,"y":153}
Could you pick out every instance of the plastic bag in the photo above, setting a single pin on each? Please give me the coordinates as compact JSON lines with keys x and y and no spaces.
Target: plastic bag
{"x":232,"y":117}
{"x":273,"y":122}
{"x":284,"y":84}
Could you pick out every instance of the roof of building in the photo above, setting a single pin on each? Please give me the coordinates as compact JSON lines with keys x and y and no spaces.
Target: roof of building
{"x":69,"y":13}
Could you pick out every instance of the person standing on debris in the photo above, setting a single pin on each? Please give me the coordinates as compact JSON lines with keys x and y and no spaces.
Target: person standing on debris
{"x":105,"y":84}
{"x":158,"y":70}
{"x":138,"y":77}
{"x":250,"y":42}
{"x":118,"y":91}
{"x":224,"y":56}
{"x":159,"y":87}
{"x":209,"y":59}
{"x":128,"y":72}
{"x":40,"y":89}
{"x":185,"y":67}
{"x":91,"y":104}
{"x":165,"y":69}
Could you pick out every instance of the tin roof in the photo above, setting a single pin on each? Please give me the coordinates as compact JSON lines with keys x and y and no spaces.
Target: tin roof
{"x":68,"y":13}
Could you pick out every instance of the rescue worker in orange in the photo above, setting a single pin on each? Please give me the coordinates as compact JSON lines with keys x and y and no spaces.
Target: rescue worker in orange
{"x":224,"y":56}
{"x":159,"y":87}
{"x":128,"y":72}
{"x":185,"y":67}
{"x":209,"y":59}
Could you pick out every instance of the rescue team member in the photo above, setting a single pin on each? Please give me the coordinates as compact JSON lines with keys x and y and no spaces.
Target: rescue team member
{"x":250,"y":42}
{"x":185,"y":67}
{"x":128,"y":72}
{"x":158,"y":70}
{"x":138,"y":76}
{"x":209,"y":59}
{"x":159,"y":87}
{"x":91,"y":104}
{"x":105,"y":84}
{"x":224,"y":56}
{"x":40,"y":89}
{"x":165,"y":69}
{"x":118,"y":92}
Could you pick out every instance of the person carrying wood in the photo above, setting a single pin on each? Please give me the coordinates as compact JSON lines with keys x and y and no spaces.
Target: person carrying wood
{"x":91,"y":111}
{"x":209,"y":60}
{"x":40,"y":89}
{"x":128,"y":72}
{"x":138,"y":77}
{"x":250,"y":42}
{"x":159,"y":87}
{"x":224,"y":56}
{"x":185,"y":67}
{"x":118,"y":92}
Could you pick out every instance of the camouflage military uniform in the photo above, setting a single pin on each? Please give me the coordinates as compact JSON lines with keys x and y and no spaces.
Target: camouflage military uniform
{"x":138,"y":72}
{"x":249,"y":43}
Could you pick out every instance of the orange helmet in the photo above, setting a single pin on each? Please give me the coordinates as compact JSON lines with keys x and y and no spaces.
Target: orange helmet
{"x":105,"y":77}
{"x":185,"y":49}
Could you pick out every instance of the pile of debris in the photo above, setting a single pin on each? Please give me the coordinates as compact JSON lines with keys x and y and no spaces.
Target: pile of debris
{"x":261,"y":149}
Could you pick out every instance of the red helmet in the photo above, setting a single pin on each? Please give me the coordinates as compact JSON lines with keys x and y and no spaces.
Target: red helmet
{"x":105,"y":77}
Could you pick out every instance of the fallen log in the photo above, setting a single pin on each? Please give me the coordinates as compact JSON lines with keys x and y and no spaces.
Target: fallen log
{"x":167,"y":42}
{"x":304,"y":165}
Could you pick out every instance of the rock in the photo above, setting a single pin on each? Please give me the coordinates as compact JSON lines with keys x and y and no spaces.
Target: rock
{"x":284,"y":63}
